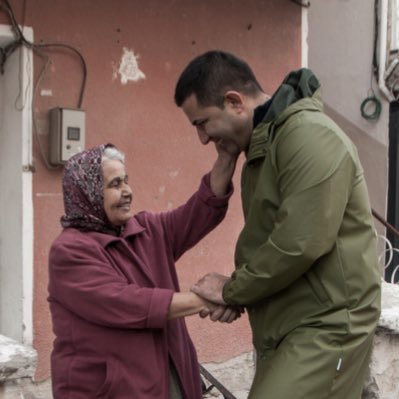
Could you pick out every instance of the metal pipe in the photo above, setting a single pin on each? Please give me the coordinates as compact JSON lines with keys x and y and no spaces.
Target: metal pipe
{"x":382,"y":51}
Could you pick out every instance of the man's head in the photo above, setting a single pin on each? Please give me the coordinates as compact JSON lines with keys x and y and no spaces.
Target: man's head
{"x":211,"y":74}
{"x":218,"y":93}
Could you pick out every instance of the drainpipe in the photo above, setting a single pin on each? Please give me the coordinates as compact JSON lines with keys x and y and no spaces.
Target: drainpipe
{"x":382,"y":56}
{"x":304,"y":37}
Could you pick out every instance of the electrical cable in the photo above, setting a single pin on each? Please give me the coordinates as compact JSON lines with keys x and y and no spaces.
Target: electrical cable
{"x":73,"y":49}
{"x":371,"y":106}
{"x":375,"y":104}
{"x":20,"y":40}
{"x":34,"y":123}
{"x":23,"y":93}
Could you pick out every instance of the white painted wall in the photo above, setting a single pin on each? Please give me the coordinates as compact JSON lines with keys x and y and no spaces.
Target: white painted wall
{"x":16,"y":215}
{"x":341,"y":52}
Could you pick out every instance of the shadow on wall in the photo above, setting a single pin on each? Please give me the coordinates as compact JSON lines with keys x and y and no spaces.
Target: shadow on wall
{"x":373,"y":156}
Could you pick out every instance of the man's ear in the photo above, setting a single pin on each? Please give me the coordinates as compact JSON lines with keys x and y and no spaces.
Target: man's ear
{"x":234,"y":99}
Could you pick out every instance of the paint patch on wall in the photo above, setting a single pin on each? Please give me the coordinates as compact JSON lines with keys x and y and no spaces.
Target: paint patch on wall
{"x":46,"y":92}
{"x":129,"y":67}
{"x":173,"y":174}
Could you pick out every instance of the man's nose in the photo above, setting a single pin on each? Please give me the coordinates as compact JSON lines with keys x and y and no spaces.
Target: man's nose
{"x":203,"y":137}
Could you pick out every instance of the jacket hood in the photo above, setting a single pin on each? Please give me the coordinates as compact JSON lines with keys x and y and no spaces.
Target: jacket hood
{"x":300,"y":90}
{"x":297,"y":85}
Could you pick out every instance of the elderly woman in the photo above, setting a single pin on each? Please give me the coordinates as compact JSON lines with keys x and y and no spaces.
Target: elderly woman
{"x":118,"y":315}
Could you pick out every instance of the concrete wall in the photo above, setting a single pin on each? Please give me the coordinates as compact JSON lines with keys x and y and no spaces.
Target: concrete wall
{"x":164,"y":159}
{"x":340,"y":52}
{"x":16,"y":196}
{"x":10,"y":206}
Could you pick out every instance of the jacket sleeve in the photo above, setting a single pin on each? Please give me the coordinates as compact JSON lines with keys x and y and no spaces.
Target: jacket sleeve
{"x":189,"y":223}
{"x":82,"y":280}
{"x":315,"y":173}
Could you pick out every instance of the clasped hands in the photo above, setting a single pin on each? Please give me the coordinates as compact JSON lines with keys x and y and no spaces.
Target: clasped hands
{"x":210,"y":288}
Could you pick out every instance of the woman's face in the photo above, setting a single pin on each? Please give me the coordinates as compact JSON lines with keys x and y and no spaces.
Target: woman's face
{"x":117,"y":192}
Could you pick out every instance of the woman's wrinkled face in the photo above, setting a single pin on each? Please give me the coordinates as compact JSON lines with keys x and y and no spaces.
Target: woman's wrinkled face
{"x":117,"y":192}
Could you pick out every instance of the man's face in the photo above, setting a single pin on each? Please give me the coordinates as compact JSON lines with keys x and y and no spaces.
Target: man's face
{"x":231,"y":123}
{"x":117,"y":192}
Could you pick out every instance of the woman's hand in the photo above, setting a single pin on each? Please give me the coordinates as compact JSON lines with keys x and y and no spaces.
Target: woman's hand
{"x":224,"y":166}
{"x":227,"y":148}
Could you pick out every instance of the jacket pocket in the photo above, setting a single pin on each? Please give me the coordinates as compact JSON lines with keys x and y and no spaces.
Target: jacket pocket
{"x":261,"y":338}
{"x":317,"y":287}
{"x":106,"y":389}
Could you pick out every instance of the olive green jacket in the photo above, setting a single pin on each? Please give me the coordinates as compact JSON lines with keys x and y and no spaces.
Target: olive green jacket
{"x":307,"y":253}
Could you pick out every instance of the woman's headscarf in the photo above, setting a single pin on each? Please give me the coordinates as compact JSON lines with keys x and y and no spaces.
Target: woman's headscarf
{"x":83,"y":187}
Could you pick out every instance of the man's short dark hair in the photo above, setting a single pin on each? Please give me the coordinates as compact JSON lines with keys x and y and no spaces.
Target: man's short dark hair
{"x":211,"y":74}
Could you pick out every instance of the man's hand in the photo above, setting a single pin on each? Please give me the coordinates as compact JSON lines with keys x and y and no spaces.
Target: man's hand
{"x":223,"y":314}
{"x":210,"y":287}
{"x":226,"y":314}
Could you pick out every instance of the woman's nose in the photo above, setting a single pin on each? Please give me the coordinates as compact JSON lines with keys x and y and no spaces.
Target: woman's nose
{"x":127,"y":190}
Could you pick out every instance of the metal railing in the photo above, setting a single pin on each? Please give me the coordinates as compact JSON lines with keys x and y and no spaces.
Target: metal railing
{"x":389,"y":254}
{"x":213,"y":383}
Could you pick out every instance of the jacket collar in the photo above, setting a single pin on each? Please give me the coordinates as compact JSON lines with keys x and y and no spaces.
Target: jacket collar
{"x":259,"y":143}
{"x":132,"y":227}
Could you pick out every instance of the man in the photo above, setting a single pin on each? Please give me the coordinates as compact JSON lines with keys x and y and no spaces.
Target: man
{"x":306,"y":263}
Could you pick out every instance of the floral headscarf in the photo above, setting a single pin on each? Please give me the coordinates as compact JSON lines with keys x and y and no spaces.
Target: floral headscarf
{"x":83,"y":187}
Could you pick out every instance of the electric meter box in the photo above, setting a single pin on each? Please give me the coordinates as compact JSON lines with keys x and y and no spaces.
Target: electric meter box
{"x":67,"y":134}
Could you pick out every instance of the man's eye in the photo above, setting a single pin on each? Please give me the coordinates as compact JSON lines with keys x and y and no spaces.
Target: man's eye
{"x":201,"y":123}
